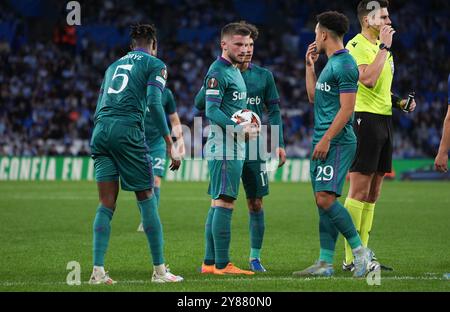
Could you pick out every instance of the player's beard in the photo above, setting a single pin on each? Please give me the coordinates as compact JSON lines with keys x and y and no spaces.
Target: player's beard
{"x":320,"y":49}
{"x":236,"y":60}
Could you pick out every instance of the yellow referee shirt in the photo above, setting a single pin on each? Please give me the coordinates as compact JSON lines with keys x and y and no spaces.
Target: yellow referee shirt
{"x":376,"y":100}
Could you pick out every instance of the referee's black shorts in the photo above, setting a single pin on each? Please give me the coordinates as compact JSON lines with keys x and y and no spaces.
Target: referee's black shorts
{"x":374,"y":149}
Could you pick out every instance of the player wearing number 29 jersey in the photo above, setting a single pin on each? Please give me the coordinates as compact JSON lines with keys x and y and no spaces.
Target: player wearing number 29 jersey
{"x":334,"y":142}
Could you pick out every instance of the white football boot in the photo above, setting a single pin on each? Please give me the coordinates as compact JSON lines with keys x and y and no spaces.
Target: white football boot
{"x":99,"y":276}
{"x":161,"y":274}
{"x":140,"y":227}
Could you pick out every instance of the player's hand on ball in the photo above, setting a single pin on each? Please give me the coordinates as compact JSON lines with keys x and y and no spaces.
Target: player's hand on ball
{"x":311,"y":54}
{"x":386,"y":34}
{"x":441,"y":162}
{"x":321,"y":150}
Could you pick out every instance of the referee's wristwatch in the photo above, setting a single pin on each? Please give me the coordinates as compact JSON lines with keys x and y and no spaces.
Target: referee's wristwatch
{"x":385,"y":47}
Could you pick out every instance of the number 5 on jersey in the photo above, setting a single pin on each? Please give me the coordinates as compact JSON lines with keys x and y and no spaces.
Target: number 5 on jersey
{"x":124,"y":81}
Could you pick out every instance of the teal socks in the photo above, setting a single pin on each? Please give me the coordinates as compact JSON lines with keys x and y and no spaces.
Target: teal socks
{"x":328,"y":235}
{"x":256,"y":227}
{"x":342,"y":220}
{"x":152,"y":228}
{"x":157,"y":192}
{"x":221,"y":231}
{"x":209,"y":240}
{"x":102,"y":231}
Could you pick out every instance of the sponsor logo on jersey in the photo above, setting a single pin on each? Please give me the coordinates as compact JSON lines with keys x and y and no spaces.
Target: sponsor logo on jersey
{"x":256,"y":100}
{"x":323,"y":86}
{"x":239,"y":95}
{"x":212,"y":83}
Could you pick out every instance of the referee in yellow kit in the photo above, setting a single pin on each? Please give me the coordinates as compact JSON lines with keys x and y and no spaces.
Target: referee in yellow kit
{"x":373,"y":116}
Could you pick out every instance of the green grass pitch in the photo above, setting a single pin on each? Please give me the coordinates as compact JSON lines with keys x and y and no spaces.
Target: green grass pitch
{"x":44,"y":225}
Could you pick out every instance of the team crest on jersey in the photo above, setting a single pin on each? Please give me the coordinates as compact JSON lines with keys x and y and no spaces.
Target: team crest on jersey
{"x":212,"y":83}
{"x":164,"y":73}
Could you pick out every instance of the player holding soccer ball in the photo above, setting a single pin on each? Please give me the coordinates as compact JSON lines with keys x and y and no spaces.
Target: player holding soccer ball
{"x":225,"y":93}
{"x":334,"y":142}
{"x":262,"y":96}
{"x":131,"y":84}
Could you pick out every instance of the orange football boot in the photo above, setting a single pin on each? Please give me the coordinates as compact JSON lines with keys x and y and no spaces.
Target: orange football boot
{"x":231,"y":269}
{"x":207,"y":269}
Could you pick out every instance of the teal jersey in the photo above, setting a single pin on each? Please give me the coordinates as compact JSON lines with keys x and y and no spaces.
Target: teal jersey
{"x":152,"y":134}
{"x":225,"y":93}
{"x":340,"y":75}
{"x":127,"y":84}
{"x":262,"y":97}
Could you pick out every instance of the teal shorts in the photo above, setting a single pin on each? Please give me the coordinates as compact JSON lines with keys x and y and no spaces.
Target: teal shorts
{"x":254,"y":178}
{"x":119,"y":150}
{"x":329,"y":175}
{"x":224,"y":177}
{"x":158,"y":155}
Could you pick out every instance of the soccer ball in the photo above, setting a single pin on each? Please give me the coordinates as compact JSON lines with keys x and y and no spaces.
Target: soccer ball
{"x":246,"y":116}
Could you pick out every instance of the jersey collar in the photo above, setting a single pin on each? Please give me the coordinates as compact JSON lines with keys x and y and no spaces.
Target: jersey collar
{"x":224,"y":61}
{"x":340,"y":51}
{"x":141,"y":50}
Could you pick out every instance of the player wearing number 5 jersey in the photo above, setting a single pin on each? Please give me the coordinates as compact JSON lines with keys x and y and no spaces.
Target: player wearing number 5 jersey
{"x":132,"y":84}
{"x":334,"y":142}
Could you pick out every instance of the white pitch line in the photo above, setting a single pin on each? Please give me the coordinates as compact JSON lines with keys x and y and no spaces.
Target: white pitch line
{"x":249,"y":279}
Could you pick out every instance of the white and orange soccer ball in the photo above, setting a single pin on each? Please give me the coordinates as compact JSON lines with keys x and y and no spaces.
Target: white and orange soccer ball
{"x":245,"y":116}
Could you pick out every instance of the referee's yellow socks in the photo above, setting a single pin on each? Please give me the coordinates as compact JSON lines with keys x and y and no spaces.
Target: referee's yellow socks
{"x":366,"y":222}
{"x":355,"y":209}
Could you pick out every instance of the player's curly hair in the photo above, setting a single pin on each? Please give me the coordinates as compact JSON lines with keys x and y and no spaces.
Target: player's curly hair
{"x":235,"y":29}
{"x":254,"y":32}
{"x":334,"y":21}
{"x":142,"y":34}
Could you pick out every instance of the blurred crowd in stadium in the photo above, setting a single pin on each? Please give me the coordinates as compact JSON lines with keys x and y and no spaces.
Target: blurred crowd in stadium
{"x":50,"y":75}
